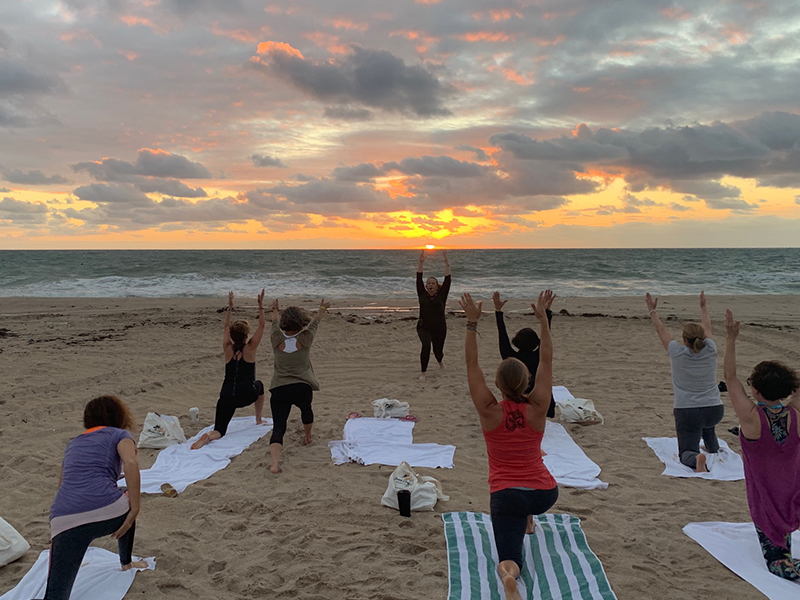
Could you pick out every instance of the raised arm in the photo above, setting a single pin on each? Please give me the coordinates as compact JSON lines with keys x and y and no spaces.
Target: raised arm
{"x":506,"y":349}
{"x":705,"y":320}
{"x":482,"y":397}
{"x":227,"y":342}
{"x":446,"y":264}
{"x":742,"y":405}
{"x":323,"y":308}
{"x":127,"y":453}
{"x":262,"y":322}
{"x":421,"y":261}
{"x":540,"y":395}
{"x":652,"y":304}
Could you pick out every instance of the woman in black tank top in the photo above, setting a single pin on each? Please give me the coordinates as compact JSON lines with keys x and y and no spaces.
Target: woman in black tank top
{"x":240,"y":387}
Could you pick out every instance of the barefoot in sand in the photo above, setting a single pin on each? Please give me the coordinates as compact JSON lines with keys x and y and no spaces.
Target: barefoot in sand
{"x":206,"y":438}
{"x":423,"y":377}
{"x":701,"y":463}
{"x":441,"y":366}
{"x":307,"y":440}
{"x":531,"y":525}
{"x":136,"y":564}
{"x":510,"y":585}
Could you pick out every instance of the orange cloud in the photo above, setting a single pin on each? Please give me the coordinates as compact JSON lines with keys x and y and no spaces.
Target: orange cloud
{"x":133,"y":21}
{"x":329,"y":42}
{"x":497,"y":15}
{"x":342,"y":23}
{"x":240,"y":35}
{"x":516,"y":77}
{"x":278,"y":48}
{"x":128,"y":54}
{"x":485,"y":36}
{"x":676,"y":13}
{"x":735,"y":36}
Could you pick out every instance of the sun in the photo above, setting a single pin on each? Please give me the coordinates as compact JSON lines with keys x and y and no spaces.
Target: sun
{"x":430,"y":246}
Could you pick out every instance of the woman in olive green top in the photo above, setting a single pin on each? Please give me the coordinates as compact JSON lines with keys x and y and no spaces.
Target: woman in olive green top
{"x":293,"y":380}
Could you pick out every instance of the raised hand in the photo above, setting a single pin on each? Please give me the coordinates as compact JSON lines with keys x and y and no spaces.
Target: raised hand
{"x":444,"y":254}
{"x":230,"y":300}
{"x":652,"y":303}
{"x":731,"y":326}
{"x":472,"y":310}
{"x":498,"y":304}
{"x":549,"y":298}
{"x":544,"y":300}
{"x":275,"y":305}
{"x":324,"y":305}
{"x":702,"y":299}
{"x":422,"y":256}
{"x":261,"y":299}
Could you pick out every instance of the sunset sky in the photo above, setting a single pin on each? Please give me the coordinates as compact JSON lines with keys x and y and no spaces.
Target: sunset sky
{"x":394,"y":124}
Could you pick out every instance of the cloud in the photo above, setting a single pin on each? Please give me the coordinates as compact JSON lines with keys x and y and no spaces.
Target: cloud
{"x":101,"y":193}
{"x":149,"y":163}
{"x":23,"y":213}
{"x":371,"y":78}
{"x":731,"y":204}
{"x":480,"y":154}
{"x":35,"y":177}
{"x":436,"y":166}
{"x":265,"y":160}
{"x":345,"y":113}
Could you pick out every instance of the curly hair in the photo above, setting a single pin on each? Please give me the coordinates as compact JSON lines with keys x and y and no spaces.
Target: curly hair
{"x":108,"y":411}
{"x":774,"y":380}
{"x":293,"y":318}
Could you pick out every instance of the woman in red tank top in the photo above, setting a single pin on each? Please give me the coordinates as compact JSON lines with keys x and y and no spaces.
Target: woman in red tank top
{"x":519,"y":483}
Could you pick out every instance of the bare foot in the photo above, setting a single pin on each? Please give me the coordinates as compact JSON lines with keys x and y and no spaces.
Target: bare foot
{"x":307,"y":440}
{"x":275,"y":469}
{"x":441,"y":366}
{"x":201,"y":442}
{"x":531,"y":525}
{"x":510,"y":585}
{"x":422,"y":377}
{"x":701,"y":464}
{"x":135,"y":564}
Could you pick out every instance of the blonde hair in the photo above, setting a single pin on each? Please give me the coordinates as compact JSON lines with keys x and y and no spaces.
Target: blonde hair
{"x":512,"y":379}
{"x":694,"y":336}
{"x":239,"y":332}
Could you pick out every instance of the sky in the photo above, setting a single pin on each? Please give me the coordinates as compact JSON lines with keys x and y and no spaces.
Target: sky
{"x":394,"y":124}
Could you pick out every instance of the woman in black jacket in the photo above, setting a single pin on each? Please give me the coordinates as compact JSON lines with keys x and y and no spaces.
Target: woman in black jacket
{"x":432,"y":326}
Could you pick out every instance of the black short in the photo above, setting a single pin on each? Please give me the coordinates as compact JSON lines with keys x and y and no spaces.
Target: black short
{"x":510,"y":509}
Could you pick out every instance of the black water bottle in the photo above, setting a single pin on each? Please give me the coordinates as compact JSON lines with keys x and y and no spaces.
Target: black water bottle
{"x":404,"y":502}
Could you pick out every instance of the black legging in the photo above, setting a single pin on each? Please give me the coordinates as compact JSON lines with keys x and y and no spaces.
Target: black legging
{"x":227,"y":405}
{"x":691,"y":424}
{"x":68,"y":548}
{"x":510,"y":509}
{"x":431,"y":337}
{"x":281,"y":400}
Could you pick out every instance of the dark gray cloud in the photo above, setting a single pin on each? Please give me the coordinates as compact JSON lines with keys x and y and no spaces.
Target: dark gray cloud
{"x":102,"y":193}
{"x":346,"y":113}
{"x":436,"y":166}
{"x":373,"y":78}
{"x":731,"y":204}
{"x":35,"y":177}
{"x":168,"y":187}
{"x":358,"y":173}
{"x":149,"y":163}
{"x":480,"y":154}
{"x":265,"y":160}
{"x":22,"y":213}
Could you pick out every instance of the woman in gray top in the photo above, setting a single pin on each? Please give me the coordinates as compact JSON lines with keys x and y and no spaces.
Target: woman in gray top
{"x":293,"y":381}
{"x":698,"y":407}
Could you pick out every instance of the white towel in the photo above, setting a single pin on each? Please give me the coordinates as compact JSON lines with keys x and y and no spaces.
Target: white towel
{"x":567,"y":462}
{"x":560,"y":393}
{"x":557,"y":561}
{"x":736,"y":546}
{"x":370,"y":441}
{"x":725,"y":465}
{"x":180,"y":466}
{"x":99,"y":578}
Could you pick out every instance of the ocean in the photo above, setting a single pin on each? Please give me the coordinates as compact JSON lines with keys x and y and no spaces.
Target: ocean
{"x":389,"y":274}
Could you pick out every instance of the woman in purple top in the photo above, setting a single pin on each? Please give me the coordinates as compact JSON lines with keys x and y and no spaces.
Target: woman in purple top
{"x":770,"y":441}
{"x":89,"y":504}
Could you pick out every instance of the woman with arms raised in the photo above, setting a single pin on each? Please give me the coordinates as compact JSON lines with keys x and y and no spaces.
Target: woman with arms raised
{"x":519,"y":483}
{"x":697,"y":406}
{"x":526,"y":340}
{"x":89,"y":504}
{"x":240,"y":387}
{"x":293,"y":380}
{"x":432,"y":324}
{"x":770,"y":441}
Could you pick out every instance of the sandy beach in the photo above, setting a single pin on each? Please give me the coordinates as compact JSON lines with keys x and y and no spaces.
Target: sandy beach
{"x":318,"y":530}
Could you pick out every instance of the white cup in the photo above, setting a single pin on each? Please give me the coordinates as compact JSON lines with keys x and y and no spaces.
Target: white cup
{"x":194,"y":413}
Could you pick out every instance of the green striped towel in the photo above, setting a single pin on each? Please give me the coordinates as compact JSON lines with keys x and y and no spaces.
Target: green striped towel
{"x":558,"y":563}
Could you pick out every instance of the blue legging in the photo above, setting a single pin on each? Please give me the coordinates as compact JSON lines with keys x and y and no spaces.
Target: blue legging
{"x":68,"y":548}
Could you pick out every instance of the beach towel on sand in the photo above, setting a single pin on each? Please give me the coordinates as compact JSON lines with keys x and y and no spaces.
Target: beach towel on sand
{"x":389,"y":442}
{"x":99,"y":578}
{"x":566,"y":461}
{"x":736,"y":546}
{"x":725,"y":465}
{"x":180,"y":466}
{"x":557,"y":561}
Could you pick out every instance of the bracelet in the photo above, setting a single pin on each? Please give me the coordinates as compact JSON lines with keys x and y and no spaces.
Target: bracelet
{"x":472,"y":326}
{"x":652,"y":311}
